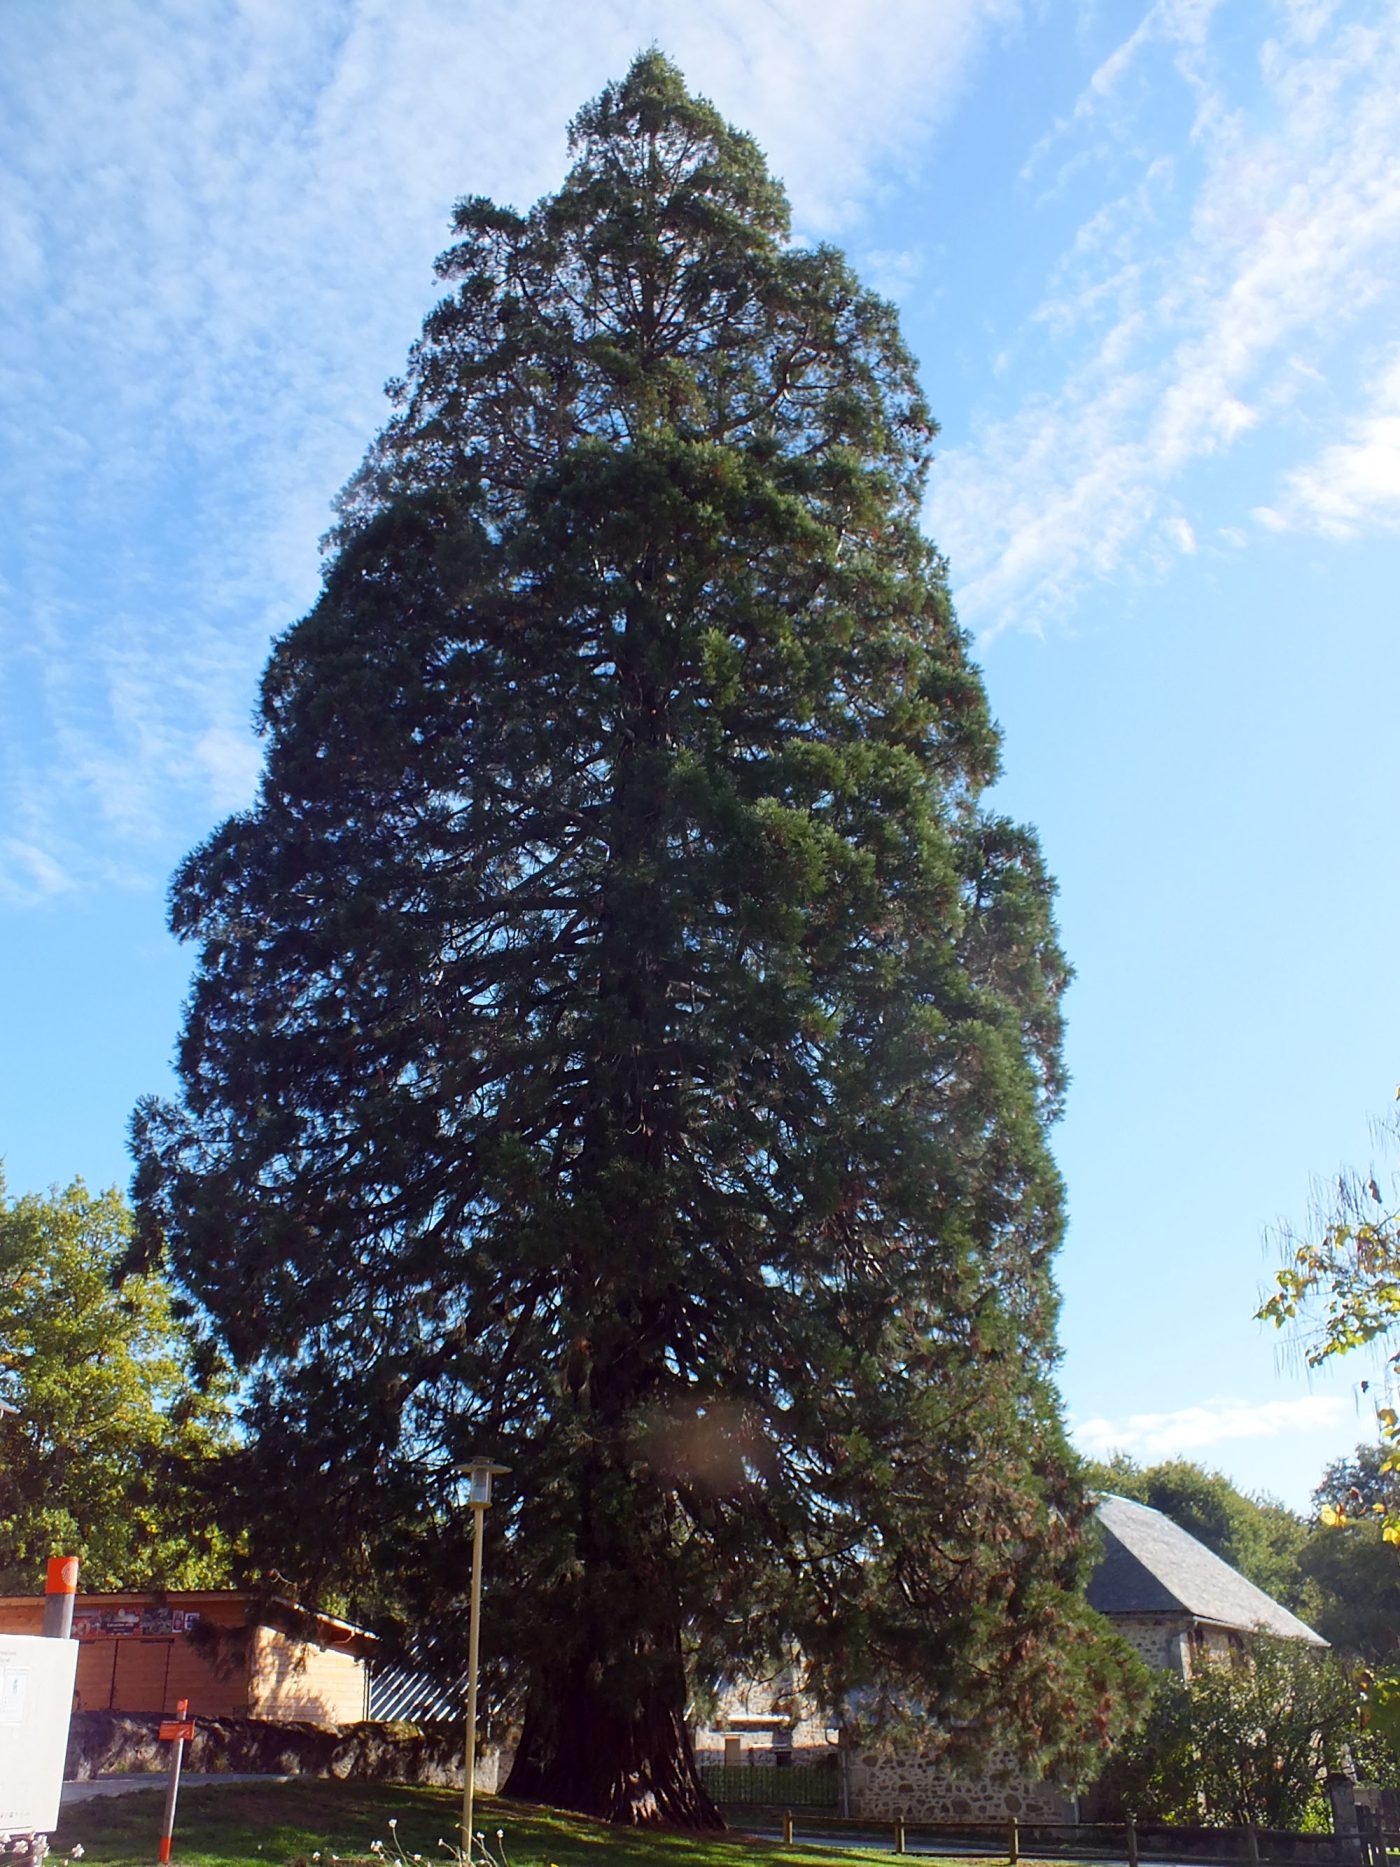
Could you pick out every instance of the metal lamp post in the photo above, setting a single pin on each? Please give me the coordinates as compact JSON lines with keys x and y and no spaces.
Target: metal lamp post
{"x":480,"y":1472}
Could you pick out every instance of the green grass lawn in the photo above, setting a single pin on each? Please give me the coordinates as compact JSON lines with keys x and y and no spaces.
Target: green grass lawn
{"x":246,"y":1824}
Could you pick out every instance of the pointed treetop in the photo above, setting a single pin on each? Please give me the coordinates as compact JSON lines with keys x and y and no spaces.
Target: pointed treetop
{"x":652,"y":106}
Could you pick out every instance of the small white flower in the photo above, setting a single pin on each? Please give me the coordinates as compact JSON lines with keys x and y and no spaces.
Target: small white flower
{"x":393,"y":1821}
{"x":77,"y":1853}
{"x":317,"y":1855}
{"x":418,"y":1857}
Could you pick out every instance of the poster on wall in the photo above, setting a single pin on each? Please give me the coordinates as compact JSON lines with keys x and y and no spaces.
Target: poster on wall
{"x":102,"y":1623}
{"x":106,"y":1623}
{"x":36,"y":1699}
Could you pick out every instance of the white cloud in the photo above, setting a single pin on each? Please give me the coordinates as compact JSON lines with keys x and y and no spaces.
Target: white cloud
{"x":219,"y":237}
{"x":1353,"y":486}
{"x":29,"y":874}
{"x":893,"y":272}
{"x":219,"y":244}
{"x":232,"y":762}
{"x":1189,"y":1430}
{"x":1189,"y":311}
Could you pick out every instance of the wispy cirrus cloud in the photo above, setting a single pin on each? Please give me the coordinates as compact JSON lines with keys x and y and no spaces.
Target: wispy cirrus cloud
{"x":1192,"y":309}
{"x":217,"y":241}
{"x":217,"y":236}
{"x":28,"y":873}
{"x":1353,"y":486}
{"x":1188,"y":1430}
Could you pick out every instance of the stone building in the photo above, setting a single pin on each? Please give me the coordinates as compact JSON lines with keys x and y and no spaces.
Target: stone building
{"x":1168,"y":1596}
{"x":1171,"y":1598}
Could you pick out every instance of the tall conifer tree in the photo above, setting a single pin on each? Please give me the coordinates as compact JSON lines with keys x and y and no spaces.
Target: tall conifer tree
{"x":622,"y":1040}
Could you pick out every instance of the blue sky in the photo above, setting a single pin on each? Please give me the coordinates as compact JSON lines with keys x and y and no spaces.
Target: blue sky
{"x":1149,"y":257}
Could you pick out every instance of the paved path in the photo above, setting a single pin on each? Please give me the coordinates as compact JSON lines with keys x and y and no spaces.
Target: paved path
{"x":921,"y":1842}
{"x":153,"y":1779}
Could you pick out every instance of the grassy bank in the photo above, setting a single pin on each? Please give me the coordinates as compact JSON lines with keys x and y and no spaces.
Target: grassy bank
{"x":276,"y":1824}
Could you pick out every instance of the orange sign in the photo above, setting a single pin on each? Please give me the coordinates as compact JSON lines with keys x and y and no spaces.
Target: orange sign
{"x":170,"y":1732}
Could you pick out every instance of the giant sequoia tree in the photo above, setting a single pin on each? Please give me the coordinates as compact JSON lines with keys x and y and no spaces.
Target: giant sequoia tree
{"x":622,"y":1040}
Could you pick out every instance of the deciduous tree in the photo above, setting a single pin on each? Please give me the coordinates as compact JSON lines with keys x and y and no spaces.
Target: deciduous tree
{"x":1339,"y":1290}
{"x":1353,"y":1571}
{"x":102,"y":1459}
{"x":624,"y":1039}
{"x":1247,"y":1738}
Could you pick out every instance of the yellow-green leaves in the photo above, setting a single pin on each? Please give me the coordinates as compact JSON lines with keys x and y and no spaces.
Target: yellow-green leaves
{"x":1340,"y":1290}
{"x":111,"y":1429}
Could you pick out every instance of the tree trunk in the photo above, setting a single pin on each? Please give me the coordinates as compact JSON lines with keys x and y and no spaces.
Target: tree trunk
{"x":582,"y":1748}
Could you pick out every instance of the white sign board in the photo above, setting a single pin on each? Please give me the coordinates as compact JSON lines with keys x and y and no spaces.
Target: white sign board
{"x":36,"y":1698}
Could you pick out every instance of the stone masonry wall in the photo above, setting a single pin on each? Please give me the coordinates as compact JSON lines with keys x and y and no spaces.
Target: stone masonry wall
{"x":1157,"y":1639}
{"x":925,"y":1789}
{"x":102,"y":1743}
{"x":766,"y":1717}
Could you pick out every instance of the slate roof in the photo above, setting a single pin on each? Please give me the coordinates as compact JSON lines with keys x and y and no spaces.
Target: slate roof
{"x":1150,"y":1565}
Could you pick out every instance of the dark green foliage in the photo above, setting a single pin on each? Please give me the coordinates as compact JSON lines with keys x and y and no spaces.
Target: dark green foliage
{"x":1376,"y":1749}
{"x":1247,"y":1738}
{"x":1354,"y":1571}
{"x":1361,"y":1486}
{"x":622,"y":1039}
{"x":1356,"y":1582}
{"x":1350,"y":1565}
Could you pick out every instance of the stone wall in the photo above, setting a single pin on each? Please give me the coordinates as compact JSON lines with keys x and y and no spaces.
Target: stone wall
{"x":762,"y":1720}
{"x":1169,"y":1642}
{"x":1158,"y":1639}
{"x":103,"y":1743}
{"x":924,"y":1788}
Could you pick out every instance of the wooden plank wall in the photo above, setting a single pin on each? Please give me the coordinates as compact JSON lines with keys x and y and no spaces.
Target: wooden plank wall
{"x":151,"y":1673}
{"x":273,"y":1676}
{"x":290,"y":1678}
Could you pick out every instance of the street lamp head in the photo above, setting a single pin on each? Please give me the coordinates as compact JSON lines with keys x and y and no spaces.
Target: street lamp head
{"x":480,"y":1471}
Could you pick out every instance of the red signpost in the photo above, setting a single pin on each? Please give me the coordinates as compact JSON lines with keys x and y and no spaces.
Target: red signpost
{"x":177,"y":1731}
